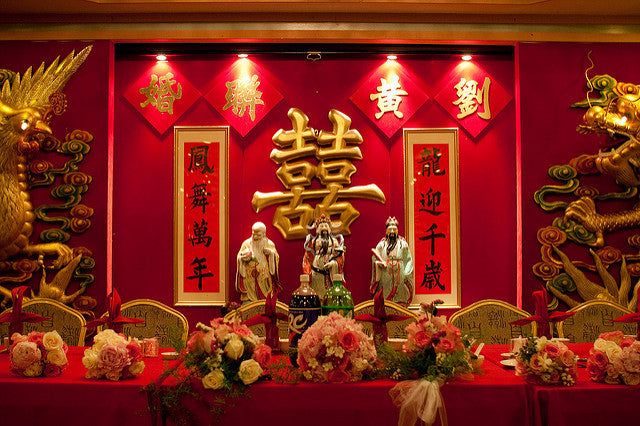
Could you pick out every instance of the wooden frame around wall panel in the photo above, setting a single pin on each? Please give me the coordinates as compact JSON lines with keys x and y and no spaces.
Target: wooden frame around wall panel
{"x":432,"y":213}
{"x":201,"y":267}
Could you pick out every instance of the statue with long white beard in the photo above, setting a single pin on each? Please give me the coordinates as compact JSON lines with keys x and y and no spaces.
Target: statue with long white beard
{"x":257,"y":262}
{"x":323,"y":255}
{"x":392,"y":266}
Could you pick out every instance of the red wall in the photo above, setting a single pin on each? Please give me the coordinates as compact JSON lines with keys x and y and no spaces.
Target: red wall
{"x":551,"y":79}
{"x":143,"y":174}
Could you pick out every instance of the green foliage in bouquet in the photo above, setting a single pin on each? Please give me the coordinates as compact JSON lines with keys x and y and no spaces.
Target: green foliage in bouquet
{"x":434,"y":351}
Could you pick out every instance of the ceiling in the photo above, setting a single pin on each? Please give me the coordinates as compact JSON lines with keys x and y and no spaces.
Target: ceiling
{"x":192,"y":19}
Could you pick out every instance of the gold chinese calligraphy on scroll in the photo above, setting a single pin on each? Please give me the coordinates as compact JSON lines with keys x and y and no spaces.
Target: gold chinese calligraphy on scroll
{"x":333,"y":151}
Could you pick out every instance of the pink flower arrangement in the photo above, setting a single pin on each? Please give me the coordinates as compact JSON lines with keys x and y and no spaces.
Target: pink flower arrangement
{"x":544,"y":362}
{"x":226,"y":353}
{"x":335,"y":350}
{"x":113,"y":356}
{"x":433,"y":332}
{"x":614,"y":359}
{"x":38,"y":354}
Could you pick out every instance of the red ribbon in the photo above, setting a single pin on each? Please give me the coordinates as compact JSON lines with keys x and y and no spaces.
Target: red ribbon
{"x":542,"y":317}
{"x":114,"y":319}
{"x":379,"y":319}
{"x":16,"y":317}
{"x":270,"y":320}
{"x":633,"y":317}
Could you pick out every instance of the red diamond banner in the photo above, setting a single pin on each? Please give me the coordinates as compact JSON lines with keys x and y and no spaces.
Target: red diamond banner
{"x":243,"y":95}
{"x":162,"y":95}
{"x":472,"y":97}
{"x":389,"y":97}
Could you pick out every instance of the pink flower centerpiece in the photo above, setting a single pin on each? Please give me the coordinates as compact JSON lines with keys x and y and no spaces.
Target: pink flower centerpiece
{"x":544,"y":362}
{"x":615,"y":359}
{"x":226,"y":353}
{"x":38,"y":354}
{"x":113,"y":356}
{"x":335,"y":350}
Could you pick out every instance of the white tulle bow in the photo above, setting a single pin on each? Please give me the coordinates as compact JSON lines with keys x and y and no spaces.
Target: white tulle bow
{"x":418,"y":399}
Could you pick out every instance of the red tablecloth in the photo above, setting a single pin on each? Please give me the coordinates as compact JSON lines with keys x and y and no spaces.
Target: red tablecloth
{"x":497,"y":398}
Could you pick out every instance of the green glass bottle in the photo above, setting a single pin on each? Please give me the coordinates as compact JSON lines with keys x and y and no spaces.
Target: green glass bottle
{"x":338,"y":299}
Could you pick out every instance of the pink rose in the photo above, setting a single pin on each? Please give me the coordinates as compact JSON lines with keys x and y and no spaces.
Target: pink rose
{"x":24,"y":354}
{"x":567,"y":358}
{"x":196,"y":343}
{"x":113,"y":357}
{"x":552,"y":350}
{"x":536,"y":364}
{"x":52,"y":370}
{"x":135,"y":351}
{"x":599,"y":358}
{"x":630,"y":359}
{"x":422,"y":339}
{"x":626,"y":342}
{"x":338,"y":376}
{"x":262,"y":355}
{"x":348,"y":340}
{"x":242,"y":330}
{"x":37,"y":338}
{"x":594,"y":371}
{"x":445,"y":345}
{"x":614,"y":336}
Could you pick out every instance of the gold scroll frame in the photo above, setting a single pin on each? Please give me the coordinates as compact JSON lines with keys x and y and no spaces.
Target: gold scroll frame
{"x":215,"y":136}
{"x":448,"y":138}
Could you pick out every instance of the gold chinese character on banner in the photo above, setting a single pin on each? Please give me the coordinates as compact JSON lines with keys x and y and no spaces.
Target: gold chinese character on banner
{"x":160,"y":93}
{"x":332,"y":150}
{"x":388,"y":96}
{"x":243,"y":93}
{"x":470,"y":97}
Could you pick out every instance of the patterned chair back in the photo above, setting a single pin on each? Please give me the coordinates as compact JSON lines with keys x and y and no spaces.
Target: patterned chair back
{"x":68,"y":322}
{"x":396,"y":329}
{"x":251,"y":309}
{"x":161,"y":321}
{"x":488,"y":321}
{"x":592,"y":318}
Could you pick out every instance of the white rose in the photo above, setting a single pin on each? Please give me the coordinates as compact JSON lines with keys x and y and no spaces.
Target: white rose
{"x":34,"y":370}
{"x":221,"y":332}
{"x":136,"y":368}
{"x":600,"y":345}
{"x":249,"y":371}
{"x":90,"y":359}
{"x":612,"y":350}
{"x":207,"y":340}
{"x":234,"y":348}
{"x":214,"y":380}
{"x":57,"y":357}
{"x":52,"y":341}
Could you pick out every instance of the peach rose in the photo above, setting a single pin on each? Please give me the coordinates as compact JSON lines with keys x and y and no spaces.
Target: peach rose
{"x":57,"y":357}
{"x":537,"y":363}
{"x":52,"y":341}
{"x":567,"y":358}
{"x":552,"y":350}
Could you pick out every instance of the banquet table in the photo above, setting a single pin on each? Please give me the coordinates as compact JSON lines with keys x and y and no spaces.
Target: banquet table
{"x":496,"y":398}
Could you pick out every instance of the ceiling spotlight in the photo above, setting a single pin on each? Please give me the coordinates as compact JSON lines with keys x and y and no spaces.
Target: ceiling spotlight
{"x":161,"y":57}
{"x":242,"y":55}
{"x":466,"y":57}
{"x":392,"y":57}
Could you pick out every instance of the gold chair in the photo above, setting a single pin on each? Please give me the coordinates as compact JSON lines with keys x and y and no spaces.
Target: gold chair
{"x":488,"y":321}
{"x":396,"y":329}
{"x":592,"y":318}
{"x":68,"y":322}
{"x":251,"y":309}
{"x":161,"y":322}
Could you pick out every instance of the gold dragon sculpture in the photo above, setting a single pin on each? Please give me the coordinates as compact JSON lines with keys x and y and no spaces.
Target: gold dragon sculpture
{"x":616,"y":113}
{"x":27,"y":104}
